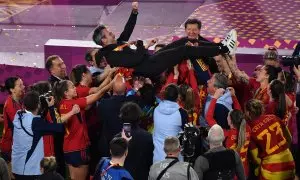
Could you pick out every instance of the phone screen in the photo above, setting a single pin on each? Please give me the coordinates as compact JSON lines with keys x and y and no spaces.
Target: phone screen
{"x":127,"y":129}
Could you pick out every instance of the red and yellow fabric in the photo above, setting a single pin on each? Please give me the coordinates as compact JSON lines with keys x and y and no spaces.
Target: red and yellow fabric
{"x":76,"y":136}
{"x":231,"y":142}
{"x":270,"y":150}
{"x":262,"y":95}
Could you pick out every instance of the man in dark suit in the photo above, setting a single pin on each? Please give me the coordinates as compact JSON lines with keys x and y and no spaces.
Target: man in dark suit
{"x":57,"y":69}
{"x":108,"y":110}
{"x":140,"y":147}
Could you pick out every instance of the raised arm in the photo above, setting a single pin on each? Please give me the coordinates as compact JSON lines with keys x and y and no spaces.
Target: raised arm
{"x":104,"y":83}
{"x":125,"y":35}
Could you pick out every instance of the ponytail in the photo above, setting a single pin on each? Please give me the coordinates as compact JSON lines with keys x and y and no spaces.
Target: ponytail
{"x":188,"y":97}
{"x":242,"y":135}
{"x":281,"y":108}
{"x":189,"y":102}
{"x":278,"y":93}
{"x":76,"y":74}
{"x":239,"y":122}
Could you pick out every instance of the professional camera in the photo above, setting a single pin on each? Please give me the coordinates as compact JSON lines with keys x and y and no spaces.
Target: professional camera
{"x":46,"y":96}
{"x":44,"y":104}
{"x":290,"y":60}
{"x":191,"y":141}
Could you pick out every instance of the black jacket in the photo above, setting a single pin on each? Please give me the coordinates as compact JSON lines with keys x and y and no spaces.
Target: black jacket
{"x":125,"y":57}
{"x":111,"y":123}
{"x":52,"y":80}
{"x":140,"y":153}
{"x":51,"y":176}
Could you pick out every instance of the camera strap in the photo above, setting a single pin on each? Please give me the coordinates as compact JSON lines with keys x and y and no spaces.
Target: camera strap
{"x":165,"y":170}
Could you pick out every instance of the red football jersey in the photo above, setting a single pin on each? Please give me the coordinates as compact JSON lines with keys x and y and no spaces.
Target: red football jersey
{"x":76,"y":136}
{"x":267,"y":135}
{"x":231,"y":142}
{"x":9,"y":111}
{"x":90,"y":114}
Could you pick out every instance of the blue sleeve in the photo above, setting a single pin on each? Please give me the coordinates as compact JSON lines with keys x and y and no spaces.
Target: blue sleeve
{"x":42,"y":127}
{"x":126,"y":176}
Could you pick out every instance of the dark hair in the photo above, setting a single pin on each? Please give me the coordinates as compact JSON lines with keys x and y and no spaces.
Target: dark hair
{"x":97,"y":36}
{"x":88,"y":56}
{"x":171,"y":93}
{"x":148,"y":94}
{"x":76,"y":73}
{"x":272,"y":72}
{"x":271,"y":54}
{"x":278,"y":93}
{"x":238,"y":121}
{"x":118,"y":146}
{"x":289,"y":82}
{"x":49,"y":61}
{"x":41,"y":88}
{"x":10,"y":83}
{"x":221,"y":81}
{"x":59,"y":90}
{"x":48,"y":164}
{"x":255,"y":108}
{"x":31,"y":101}
{"x":193,"y":21}
{"x":130,"y":112}
{"x":187,"y":96}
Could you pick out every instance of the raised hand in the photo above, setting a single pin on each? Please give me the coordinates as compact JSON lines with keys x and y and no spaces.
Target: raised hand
{"x":232,"y":91}
{"x":297,"y":71}
{"x":135,"y":6}
{"x":75,"y":109}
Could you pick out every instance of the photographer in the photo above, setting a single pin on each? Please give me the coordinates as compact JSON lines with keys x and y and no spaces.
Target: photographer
{"x":219,"y":162}
{"x":171,"y":168}
{"x":29,"y":129}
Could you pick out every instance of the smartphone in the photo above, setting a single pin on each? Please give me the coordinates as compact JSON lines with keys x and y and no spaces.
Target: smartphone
{"x":127,"y":129}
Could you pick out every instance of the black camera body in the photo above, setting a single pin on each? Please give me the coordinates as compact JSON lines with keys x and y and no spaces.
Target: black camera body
{"x":46,"y":96}
{"x":191,"y":141}
{"x":290,"y":60}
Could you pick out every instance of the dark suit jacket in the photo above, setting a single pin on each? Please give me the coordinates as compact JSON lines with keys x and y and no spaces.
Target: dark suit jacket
{"x":109,"y":110}
{"x":140,"y":153}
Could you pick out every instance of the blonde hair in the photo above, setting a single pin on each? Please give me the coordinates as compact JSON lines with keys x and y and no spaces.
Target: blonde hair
{"x":48,"y":164}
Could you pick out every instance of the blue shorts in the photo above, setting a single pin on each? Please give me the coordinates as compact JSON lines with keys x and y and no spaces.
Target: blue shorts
{"x":6,"y":156}
{"x":77,"y":158}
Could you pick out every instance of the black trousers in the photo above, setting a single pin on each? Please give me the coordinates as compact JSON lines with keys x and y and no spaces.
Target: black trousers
{"x":157,"y":63}
{"x":59,"y":154}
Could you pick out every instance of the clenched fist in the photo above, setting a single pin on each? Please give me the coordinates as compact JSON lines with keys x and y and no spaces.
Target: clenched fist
{"x":135,"y":6}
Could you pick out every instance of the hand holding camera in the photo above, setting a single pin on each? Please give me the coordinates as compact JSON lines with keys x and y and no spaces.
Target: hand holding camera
{"x":50,"y":101}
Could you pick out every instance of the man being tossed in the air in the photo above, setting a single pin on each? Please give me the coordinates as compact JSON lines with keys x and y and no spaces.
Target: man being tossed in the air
{"x":119,"y":54}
